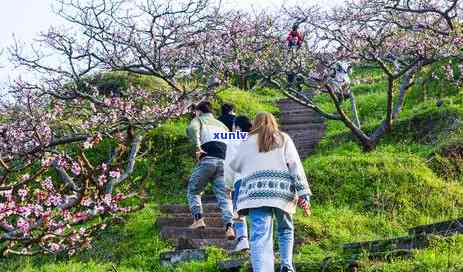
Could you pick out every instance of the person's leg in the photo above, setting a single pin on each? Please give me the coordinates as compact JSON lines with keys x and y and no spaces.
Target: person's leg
{"x":261,"y":239}
{"x":237,"y":220}
{"x":239,"y":223}
{"x":235,"y":194}
{"x":285,"y":239}
{"x":220,"y":192}
{"x":202,"y":173}
{"x":245,"y":226}
{"x":240,"y":227}
{"x":242,"y":241}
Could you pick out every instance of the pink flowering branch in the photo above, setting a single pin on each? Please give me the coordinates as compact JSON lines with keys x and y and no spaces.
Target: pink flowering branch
{"x":398,"y":39}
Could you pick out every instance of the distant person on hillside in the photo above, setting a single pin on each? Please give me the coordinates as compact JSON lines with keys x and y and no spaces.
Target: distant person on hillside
{"x":273,"y":184}
{"x":210,"y":154}
{"x":228,"y":116}
{"x":294,"y":38}
{"x":233,"y":180}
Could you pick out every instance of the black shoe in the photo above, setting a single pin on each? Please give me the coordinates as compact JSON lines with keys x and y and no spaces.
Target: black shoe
{"x":286,"y":269}
{"x":198,"y":216}
{"x":230,"y":232}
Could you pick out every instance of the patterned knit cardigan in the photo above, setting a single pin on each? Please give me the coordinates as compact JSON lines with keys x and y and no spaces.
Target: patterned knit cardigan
{"x":267,"y":180}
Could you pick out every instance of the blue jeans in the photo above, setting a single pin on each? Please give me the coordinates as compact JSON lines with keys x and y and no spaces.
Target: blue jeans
{"x":241,"y":228}
{"x":207,"y":170}
{"x":261,"y":241}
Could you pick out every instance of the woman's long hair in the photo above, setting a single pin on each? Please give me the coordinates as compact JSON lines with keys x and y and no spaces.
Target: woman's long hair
{"x":269,"y":136}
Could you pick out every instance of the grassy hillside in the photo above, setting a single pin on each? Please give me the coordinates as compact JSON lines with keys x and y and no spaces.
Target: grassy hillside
{"x":413,"y":177}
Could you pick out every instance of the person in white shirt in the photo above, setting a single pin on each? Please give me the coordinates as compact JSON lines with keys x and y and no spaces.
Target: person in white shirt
{"x":273,"y":180}
{"x":233,"y":182}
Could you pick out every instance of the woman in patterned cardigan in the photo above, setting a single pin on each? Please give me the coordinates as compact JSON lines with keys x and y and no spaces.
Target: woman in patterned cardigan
{"x":273,"y":183}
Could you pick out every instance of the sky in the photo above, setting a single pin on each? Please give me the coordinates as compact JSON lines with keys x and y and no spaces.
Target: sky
{"x":25,"y":19}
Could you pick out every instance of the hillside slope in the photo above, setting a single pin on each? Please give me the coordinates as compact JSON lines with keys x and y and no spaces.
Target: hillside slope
{"x":413,"y":177}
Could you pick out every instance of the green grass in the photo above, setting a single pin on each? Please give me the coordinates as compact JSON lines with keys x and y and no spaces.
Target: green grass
{"x":133,"y":246}
{"x":407,"y":180}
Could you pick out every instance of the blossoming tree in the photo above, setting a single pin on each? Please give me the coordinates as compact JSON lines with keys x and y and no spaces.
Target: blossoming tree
{"x":67,"y":148}
{"x":399,"y":37}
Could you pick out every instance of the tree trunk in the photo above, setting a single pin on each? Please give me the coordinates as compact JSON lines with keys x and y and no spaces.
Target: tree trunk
{"x":354,"y":110}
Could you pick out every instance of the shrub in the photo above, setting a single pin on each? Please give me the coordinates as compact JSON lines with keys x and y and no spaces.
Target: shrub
{"x":171,"y":159}
{"x":447,"y":160}
{"x":249,"y":103}
{"x":399,"y":185}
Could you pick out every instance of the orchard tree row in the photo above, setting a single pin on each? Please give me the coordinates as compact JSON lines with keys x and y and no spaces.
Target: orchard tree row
{"x":59,"y":187}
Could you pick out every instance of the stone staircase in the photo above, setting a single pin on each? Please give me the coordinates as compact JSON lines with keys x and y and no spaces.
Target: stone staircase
{"x":175,"y":219}
{"x":305,"y":126}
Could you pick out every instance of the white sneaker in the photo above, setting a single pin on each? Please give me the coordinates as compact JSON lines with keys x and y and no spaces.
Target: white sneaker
{"x":198,"y":224}
{"x":242,"y":245}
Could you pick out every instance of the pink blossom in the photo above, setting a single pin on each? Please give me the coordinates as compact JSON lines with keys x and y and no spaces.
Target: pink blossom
{"x":47,"y":184}
{"x":76,"y":169}
{"x":82,"y":231}
{"x":54,"y":200}
{"x":23,"y":193}
{"x":25,"y":177}
{"x":102,"y":180}
{"x":59,"y":231}
{"x":66,"y":215}
{"x":107,"y":199}
{"x":80,"y":216}
{"x":54,"y":247}
{"x":86,"y":201}
{"x":115,"y":174}
{"x":23,"y":225}
{"x":118,"y":197}
{"x":62,"y":162}
{"x":25,"y":210}
{"x":48,"y":161}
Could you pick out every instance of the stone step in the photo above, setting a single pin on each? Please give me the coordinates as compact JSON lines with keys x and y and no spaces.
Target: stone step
{"x":389,"y":255}
{"x":239,"y":265}
{"x":349,"y":264}
{"x":299,"y":118}
{"x":180,"y":208}
{"x":188,"y":243}
{"x":310,"y":136}
{"x":173,"y":233}
{"x":220,"y":243}
{"x":303,"y":141}
{"x":401,"y":243}
{"x":207,"y":215}
{"x":301,"y":112}
{"x":289,"y":105}
{"x":442,"y":228}
{"x":303,"y":128}
{"x":185,"y":221}
{"x":209,"y":199}
{"x":174,"y":257}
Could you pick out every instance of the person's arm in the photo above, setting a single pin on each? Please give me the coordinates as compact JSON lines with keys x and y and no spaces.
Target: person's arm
{"x":229,"y":174}
{"x":294,"y":162}
{"x":295,"y":165}
{"x":193,"y":132}
{"x":236,"y":161}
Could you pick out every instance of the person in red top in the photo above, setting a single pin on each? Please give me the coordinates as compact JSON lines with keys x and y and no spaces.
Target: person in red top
{"x":294,"y":38}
